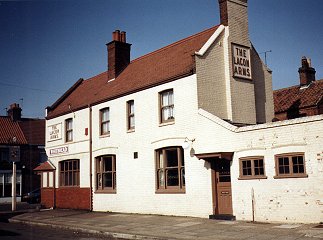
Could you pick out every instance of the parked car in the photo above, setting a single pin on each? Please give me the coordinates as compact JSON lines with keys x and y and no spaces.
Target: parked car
{"x":32,"y":197}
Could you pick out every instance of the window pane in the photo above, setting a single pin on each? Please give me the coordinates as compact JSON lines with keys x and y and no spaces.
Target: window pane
{"x":165,"y":99}
{"x":161,"y":178}
{"x":183,"y":176}
{"x":108,"y":164}
{"x":170,"y":98}
{"x":105,"y":128}
{"x":172,"y":177}
{"x":132,"y":122}
{"x":66,"y":179}
{"x":172,"y":158}
{"x":107,"y":180}
{"x":246,"y":168}
{"x":298,"y":164}
{"x":131,"y":107}
{"x":259,"y":167}
{"x":161,"y":159}
{"x":105,"y":115}
{"x":98,"y":181}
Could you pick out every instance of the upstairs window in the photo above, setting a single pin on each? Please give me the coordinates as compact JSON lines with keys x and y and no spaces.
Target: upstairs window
{"x":131,"y":115}
{"x":4,"y":154}
{"x":170,"y":170}
{"x":105,"y":121}
{"x":69,"y":130}
{"x":167,"y":106}
{"x":106,"y":173}
{"x":290,"y":165}
{"x":252,"y":168}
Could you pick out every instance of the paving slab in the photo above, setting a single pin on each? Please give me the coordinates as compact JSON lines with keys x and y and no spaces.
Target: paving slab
{"x":137,"y":226}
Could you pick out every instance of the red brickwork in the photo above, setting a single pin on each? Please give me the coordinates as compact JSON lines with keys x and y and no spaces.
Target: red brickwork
{"x":47,"y":197}
{"x":73,"y":198}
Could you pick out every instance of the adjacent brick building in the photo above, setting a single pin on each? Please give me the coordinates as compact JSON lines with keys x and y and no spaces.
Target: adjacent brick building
{"x":184,"y":130}
{"x":305,"y":99}
{"x":21,"y":140}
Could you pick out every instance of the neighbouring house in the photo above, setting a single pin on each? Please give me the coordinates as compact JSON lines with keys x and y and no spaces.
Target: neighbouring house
{"x":22,"y":140}
{"x":185,"y":130}
{"x":305,"y":99}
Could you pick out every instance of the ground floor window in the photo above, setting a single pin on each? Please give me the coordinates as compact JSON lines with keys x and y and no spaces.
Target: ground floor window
{"x":170,"y":170}
{"x":252,"y":167}
{"x":290,"y":165}
{"x":106,"y":173}
{"x":6,"y":181}
{"x":70,"y":173}
{"x":47,"y":179}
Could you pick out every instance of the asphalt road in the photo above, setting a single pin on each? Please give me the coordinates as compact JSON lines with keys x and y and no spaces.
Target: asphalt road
{"x":28,"y":232}
{"x":18,"y":231}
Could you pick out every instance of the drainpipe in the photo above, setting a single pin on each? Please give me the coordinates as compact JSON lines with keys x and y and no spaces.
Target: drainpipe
{"x":90,"y":153}
{"x":253,"y":204}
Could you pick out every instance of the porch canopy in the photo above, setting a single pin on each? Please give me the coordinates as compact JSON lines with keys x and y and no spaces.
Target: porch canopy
{"x":219,"y":155}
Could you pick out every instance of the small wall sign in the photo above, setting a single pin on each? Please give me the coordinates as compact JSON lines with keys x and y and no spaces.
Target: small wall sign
{"x":241,"y":61}
{"x":55,"y":132}
{"x":14,"y":153}
{"x":58,"y":150}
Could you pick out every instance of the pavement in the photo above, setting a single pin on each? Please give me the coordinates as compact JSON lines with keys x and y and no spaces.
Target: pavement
{"x":156,"y":227}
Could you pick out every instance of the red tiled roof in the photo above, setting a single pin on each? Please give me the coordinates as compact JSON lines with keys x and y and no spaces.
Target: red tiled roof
{"x":166,"y":64}
{"x":10,"y":130}
{"x":45,"y":166}
{"x":287,"y":98}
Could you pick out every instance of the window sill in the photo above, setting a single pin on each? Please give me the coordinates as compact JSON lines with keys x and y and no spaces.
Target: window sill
{"x":291,"y":176}
{"x":106,"y":191}
{"x":166,"y":123}
{"x":105,"y":135}
{"x":170,"y":191}
{"x":252,"y":178}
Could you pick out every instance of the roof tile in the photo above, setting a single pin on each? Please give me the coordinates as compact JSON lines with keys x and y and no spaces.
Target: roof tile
{"x":166,"y":64}
{"x":287,"y":98}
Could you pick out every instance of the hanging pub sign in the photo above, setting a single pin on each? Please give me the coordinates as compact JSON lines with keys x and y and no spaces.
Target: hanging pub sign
{"x":241,"y":61}
{"x":54,"y":132}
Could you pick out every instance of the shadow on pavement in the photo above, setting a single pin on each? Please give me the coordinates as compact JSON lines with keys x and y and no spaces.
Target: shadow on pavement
{"x":22,"y":207}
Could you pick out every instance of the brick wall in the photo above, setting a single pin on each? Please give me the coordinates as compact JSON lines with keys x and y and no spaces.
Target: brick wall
{"x":47,"y":197}
{"x":73,"y":198}
{"x":211,"y":85}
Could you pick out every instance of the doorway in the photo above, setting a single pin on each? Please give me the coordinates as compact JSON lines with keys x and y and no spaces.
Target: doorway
{"x":221,"y":189}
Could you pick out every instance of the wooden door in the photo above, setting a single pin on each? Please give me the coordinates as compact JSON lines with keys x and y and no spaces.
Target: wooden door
{"x":222,"y":187}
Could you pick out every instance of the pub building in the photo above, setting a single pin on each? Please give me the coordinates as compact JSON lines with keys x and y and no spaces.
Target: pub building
{"x":186,"y":130}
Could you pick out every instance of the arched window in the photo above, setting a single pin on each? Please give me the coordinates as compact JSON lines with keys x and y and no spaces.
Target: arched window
{"x":170,"y":170}
{"x":106,"y":173}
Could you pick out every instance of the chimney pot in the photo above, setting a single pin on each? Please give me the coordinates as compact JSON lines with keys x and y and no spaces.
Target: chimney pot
{"x":306,"y":72}
{"x":123,"y":36}
{"x":116,"y":35}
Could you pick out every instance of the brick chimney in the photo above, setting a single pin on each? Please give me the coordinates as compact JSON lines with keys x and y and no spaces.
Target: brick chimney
{"x":306,"y":72}
{"x":14,"y":112}
{"x":118,"y":54}
{"x":227,"y":10}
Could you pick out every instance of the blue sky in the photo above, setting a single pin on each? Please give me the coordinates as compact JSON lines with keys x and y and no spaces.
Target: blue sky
{"x":46,"y":46}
